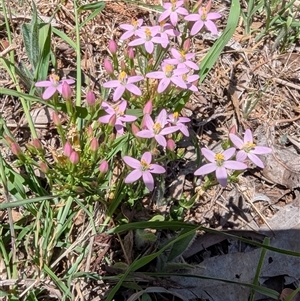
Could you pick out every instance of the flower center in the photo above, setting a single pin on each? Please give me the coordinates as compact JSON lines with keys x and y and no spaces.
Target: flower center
{"x":54,"y":79}
{"x":204,"y":14}
{"x":135,"y":24}
{"x":182,"y":56}
{"x":247,"y":147}
{"x":169,"y":70}
{"x":175,"y":117}
{"x":122,"y":77}
{"x":148,"y":34}
{"x":174,"y":2}
{"x":219,"y":159}
{"x":144,"y":165}
{"x":156,"y":128}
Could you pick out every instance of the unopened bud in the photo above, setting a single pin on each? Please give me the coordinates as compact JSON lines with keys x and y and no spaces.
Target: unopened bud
{"x":134,"y":129}
{"x":44,"y":167}
{"x":108,"y":66}
{"x":90,"y":98}
{"x":66,"y":91}
{"x":232,"y":130}
{"x":171,"y":145}
{"x":123,"y":66}
{"x":148,"y":107}
{"x":9,"y":140}
{"x":56,"y":119}
{"x":112,"y":120}
{"x":103,"y":167}
{"x":74,"y":157}
{"x":90,"y":131}
{"x":16,"y":150}
{"x":68,"y":149}
{"x":94,"y":144}
{"x":187,"y":45}
{"x":37,"y":144}
{"x":113,"y":47}
{"x":130,"y":53}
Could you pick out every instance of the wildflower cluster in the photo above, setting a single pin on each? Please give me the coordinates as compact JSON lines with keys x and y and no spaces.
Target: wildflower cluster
{"x":138,"y":124}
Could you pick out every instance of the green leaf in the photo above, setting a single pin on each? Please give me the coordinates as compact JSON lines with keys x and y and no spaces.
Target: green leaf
{"x":30,"y":33}
{"x":91,"y":6}
{"x":215,"y":51}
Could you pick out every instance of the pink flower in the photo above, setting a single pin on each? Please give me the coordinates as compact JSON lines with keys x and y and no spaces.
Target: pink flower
{"x":131,"y":29}
{"x":172,"y":10}
{"x":189,"y":80}
{"x":182,"y":59}
{"x":123,"y":83}
{"x":143,"y":169}
{"x":179,"y":122}
{"x":52,"y":85}
{"x":249,"y":149}
{"x":121,"y":117}
{"x":165,"y":30}
{"x":157,"y":130}
{"x":203,"y":18}
{"x":167,"y":76}
{"x":147,"y":37}
{"x":219,"y":163}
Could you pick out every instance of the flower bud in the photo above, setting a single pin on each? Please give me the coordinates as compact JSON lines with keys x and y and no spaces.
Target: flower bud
{"x":130,"y":53}
{"x":89,"y":131}
{"x":74,"y":157}
{"x":9,"y":140}
{"x":44,"y":167}
{"x":134,"y":129}
{"x":123,"y":66}
{"x":232,"y":130}
{"x":90,"y":98}
{"x":112,"y":120}
{"x":103,"y":167}
{"x":171,"y":145}
{"x":113,"y":47}
{"x":68,"y":149}
{"x":148,"y":107}
{"x":66,"y":91}
{"x":187,"y":44}
{"x":94,"y":144}
{"x":108,"y":66}
{"x":37,"y":144}
{"x":16,"y":150}
{"x":56,"y":119}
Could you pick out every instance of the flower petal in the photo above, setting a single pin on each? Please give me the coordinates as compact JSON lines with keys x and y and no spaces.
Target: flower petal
{"x":161,"y":140}
{"x":134,"y":89}
{"x":145,"y":134}
{"x":148,"y":180}
{"x":205,"y":169}
{"x":234,"y":165}
{"x":162,"y":118}
{"x":260,"y":150}
{"x":133,"y":176}
{"x":118,"y":92}
{"x":211,"y":26}
{"x":248,"y":136}
{"x":147,"y":157}
{"x":256,"y":160}
{"x":163,"y":85}
{"x":43,"y":83}
{"x":228,"y":153}
{"x":238,"y":142}
{"x":208,"y":154}
{"x":111,"y":84}
{"x":197,"y":27}
{"x":241,"y":156}
{"x":221,"y":175}
{"x":155,"y":168}
{"x":132,"y":162}
{"x":49,"y":92}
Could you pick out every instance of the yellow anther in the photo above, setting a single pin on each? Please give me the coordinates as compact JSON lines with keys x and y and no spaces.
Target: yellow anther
{"x":135,"y":23}
{"x":175,"y":115}
{"x":204,"y":14}
{"x":156,"y":127}
{"x":148,"y":32}
{"x":169,"y":68}
{"x":182,"y":53}
{"x":219,"y":157}
{"x":122,"y":76}
{"x":144,"y":165}
{"x":54,"y":77}
{"x":248,"y":146}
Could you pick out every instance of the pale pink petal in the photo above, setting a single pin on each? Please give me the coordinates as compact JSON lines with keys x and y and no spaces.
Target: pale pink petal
{"x":162,"y":118}
{"x":178,"y":81}
{"x":234,"y":165}
{"x":43,"y":83}
{"x":221,"y":175}
{"x":238,"y":142}
{"x":133,"y":89}
{"x":49,"y":92}
{"x":210,"y":25}
{"x":213,"y":16}
{"x":105,"y":119}
{"x":169,"y":130}
{"x":197,"y":27}
{"x":171,"y":61}
{"x":174,"y":18}
{"x":127,"y":26}
{"x":184,"y":130}
{"x":126,"y":35}
{"x":256,"y":160}
{"x":118,"y":92}
{"x":134,"y":79}
{"x":163,"y":85}
{"x":241,"y":156}
{"x":145,"y":134}
{"x":69,"y":81}
{"x":164,"y":15}
{"x":107,"y":108}
{"x":260,"y":150}
{"x":192,"y":17}
{"x":192,"y":65}
{"x":149,"y":46}
{"x":208,"y":154}
{"x":147,"y":157}
{"x":176,"y":54}
{"x":156,"y":74}
{"x":148,"y":121}
{"x":111,"y":84}
{"x":148,"y":180}
{"x":127,"y":118}
{"x":182,"y":11}
{"x":248,"y":136}
{"x":133,"y":176}
{"x":137,"y":42}
{"x":132,"y":162}
{"x":155,"y":168}
{"x":161,"y":140}
{"x":122,"y":106}
{"x":119,"y":128}
{"x":205,"y":169}
{"x":228,"y":153}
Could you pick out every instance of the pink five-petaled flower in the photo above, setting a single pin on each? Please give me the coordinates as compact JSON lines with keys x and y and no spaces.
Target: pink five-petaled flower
{"x":203,"y":18}
{"x":52,"y":85}
{"x":167,"y":76}
{"x":179,"y":122}
{"x":190,"y":80}
{"x":131,"y":28}
{"x":249,"y":149}
{"x":121,"y":117}
{"x":166,"y":30}
{"x":219,"y":163}
{"x":147,"y":36}
{"x":157,"y":130}
{"x":172,"y":10}
{"x":182,"y":59}
{"x":143,"y":169}
{"x":123,"y":83}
